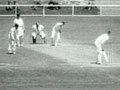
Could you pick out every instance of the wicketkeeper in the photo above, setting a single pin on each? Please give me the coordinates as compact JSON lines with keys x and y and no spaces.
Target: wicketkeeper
{"x":38,"y":31}
{"x":98,"y":43}
{"x":12,"y":39}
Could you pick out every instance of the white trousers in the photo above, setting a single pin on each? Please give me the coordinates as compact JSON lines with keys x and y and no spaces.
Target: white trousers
{"x":101,"y":53}
{"x":41,"y":34}
{"x":12,"y":45}
{"x":34,"y":35}
{"x":20,"y":36}
{"x":55,"y":36}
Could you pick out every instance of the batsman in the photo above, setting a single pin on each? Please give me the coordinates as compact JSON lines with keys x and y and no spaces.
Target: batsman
{"x":98,"y":43}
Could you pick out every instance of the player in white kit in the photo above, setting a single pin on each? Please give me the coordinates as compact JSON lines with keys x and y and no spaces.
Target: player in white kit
{"x":56,"y":32}
{"x":98,"y":43}
{"x":12,"y":39}
{"x":21,"y":29}
{"x":38,"y":30}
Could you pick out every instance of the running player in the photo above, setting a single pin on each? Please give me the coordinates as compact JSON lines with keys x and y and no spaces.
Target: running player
{"x":56,"y":31}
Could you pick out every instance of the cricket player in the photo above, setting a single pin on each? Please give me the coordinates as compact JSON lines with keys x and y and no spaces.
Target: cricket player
{"x":56,"y":32}
{"x":12,"y":40}
{"x":20,"y":35}
{"x":98,"y":43}
{"x":38,"y":30}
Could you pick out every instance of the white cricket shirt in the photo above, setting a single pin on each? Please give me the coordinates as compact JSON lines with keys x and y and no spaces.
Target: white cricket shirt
{"x":102,"y":39}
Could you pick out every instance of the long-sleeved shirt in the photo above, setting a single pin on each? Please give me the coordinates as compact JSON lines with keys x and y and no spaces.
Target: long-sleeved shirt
{"x":39,"y":29}
{"x":57,"y":26}
{"x":19,"y":21}
{"x":102,"y":39}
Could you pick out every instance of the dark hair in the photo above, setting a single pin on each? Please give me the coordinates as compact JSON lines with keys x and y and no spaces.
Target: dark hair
{"x":18,"y":15}
{"x":109,"y":32}
{"x":63,"y":22}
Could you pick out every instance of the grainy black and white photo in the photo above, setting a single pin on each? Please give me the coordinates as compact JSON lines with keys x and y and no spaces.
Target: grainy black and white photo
{"x":59,"y":44}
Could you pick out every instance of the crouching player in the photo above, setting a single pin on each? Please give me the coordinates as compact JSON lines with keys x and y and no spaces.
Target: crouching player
{"x":12,"y":39}
{"x":38,"y":30}
{"x":98,"y":43}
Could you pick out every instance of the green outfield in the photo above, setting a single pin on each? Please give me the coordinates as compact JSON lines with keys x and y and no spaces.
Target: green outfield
{"x":70,"y":65}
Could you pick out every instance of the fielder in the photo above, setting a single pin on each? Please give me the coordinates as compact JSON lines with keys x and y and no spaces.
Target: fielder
{"x":38,"y":30}
{"x":12,"y":40}
{"x":20,"y":35}
{"x":56,"y":32}
{"x":98,"y":43}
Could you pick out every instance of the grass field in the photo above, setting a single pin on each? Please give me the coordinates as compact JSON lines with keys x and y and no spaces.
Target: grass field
{"x":69,"y":66}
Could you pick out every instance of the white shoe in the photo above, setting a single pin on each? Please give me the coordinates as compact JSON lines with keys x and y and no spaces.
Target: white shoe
{"x":56,"y":44}
{"x":14,"y":52}
{"x":10,"y":52}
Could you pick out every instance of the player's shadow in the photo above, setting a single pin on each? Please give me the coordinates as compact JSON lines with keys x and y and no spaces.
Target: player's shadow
{"x":9,"y":53}
{"x":93,"y":63}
